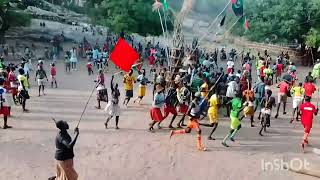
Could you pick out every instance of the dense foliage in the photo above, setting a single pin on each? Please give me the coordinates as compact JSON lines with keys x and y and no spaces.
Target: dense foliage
{"x":282,"y":21}
{"x":11,"y":15}
{"x":130,"y":16}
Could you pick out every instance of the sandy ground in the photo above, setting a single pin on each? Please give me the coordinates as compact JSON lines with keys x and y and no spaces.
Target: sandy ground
{"x":132,"y":152}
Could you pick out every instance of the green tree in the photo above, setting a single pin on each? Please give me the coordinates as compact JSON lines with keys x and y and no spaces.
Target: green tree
{"x":11,"y":17}
{"x":280,"y":21}
{"x":313,"y":38}
{"x":130,"y":16}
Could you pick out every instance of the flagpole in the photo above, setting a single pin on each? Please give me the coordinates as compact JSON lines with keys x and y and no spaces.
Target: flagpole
{"x":167,"y":35}
{"x":233,"y":25}
{"x":164,"y":34}
{"x":210,"y":26}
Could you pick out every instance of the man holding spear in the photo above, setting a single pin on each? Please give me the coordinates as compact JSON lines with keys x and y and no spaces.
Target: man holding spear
{"x":64,"y":153}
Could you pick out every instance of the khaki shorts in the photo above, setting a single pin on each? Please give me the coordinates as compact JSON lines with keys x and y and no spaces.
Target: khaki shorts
{"x":41,"y":82}
{"x":282,"y":97}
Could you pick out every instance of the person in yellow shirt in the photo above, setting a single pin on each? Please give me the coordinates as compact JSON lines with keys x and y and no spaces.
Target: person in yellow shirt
{"x":212,"y":114}
{"x":297,"y":93}
{"x":23,"y":89}
{"x":248,"y":111}
{"x":128,"y":81}
{"x":204,"y":89}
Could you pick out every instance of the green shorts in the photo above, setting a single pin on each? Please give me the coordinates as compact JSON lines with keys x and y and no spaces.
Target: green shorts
{"x":235,"y":122}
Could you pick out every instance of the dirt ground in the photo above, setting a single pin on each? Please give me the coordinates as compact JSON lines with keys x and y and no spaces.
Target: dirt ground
{"x":132,"y":152}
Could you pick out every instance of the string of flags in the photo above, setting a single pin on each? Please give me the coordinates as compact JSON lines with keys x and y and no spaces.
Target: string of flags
{"x":238,"y":10}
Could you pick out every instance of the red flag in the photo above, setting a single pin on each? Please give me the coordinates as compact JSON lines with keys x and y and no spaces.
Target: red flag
{"x":123,"y":55}
{"x":247,"y":24}
{"x":233,"y":1}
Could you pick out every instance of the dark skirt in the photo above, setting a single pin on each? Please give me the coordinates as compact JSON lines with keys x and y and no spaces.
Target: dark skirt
{"x":129,"y":93}
{"x":102,"y":95}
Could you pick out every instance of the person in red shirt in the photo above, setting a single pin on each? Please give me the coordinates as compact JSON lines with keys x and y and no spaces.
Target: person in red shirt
{"x":307,"y":110}
{"x":152,"y":61}
{"x":309,"y":88}
{"x":53,"y":74}
{"x":279,"y":69}
{"x":282,"y":96}
{"x":13,"y":84}
{"x":262,"y":75}
{"x":89,"y":68}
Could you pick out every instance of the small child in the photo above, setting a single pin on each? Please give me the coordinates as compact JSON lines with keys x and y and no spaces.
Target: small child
{"x":67,"y":63}
{"x":90,"y":68}
{"x":53,"y":73}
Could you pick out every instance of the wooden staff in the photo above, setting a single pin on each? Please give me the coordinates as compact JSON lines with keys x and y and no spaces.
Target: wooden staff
{"x":318,"y":99}
{"x":122,"y":71}
{"x":211,"y":88}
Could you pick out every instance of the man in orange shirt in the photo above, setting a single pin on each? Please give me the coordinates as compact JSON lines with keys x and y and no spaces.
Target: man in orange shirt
{"x":282,"y":96}
{"x":194,"y":113}
{"x":309,"y":88}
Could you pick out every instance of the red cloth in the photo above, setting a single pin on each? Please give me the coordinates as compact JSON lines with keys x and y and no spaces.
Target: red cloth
{"x":12,"y":77}
{"x":309,"y":89}
{"x":229,"y":70}
{"x":156,"y":114}
{"x":151,"y":60}
{"x":261,"y":71}
{"x":89,"y":66}
{"x":307,"y":129}
{"x":53,"y":71}
{"x":123,"y":55}
{"x":307,"y":111}
{"x":168,"y":110}
{"x":284,"y":87}
{"x":5,"y":111}
{"x":14,"y":91}
{"x":279,"y":69}
{"x":7,"y":84}
{"x":183,"y":108}
{"x":247,"y":24}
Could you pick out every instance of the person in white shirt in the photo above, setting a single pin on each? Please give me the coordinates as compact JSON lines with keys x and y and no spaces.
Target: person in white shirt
{"x":230,"y":65}
{"x":232,"y":88}
{"x":4,"y":105}
{"x":231,"y":91}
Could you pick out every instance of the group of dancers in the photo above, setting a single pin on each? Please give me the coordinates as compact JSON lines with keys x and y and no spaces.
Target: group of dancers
{"x":216,"y":89}
{"x":200,"y":91}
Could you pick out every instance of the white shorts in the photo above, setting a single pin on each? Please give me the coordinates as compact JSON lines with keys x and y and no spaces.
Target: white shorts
{"x":282,"y":97}
{"x":112,"y":109}
{"x":265,"y":111}
{"x":296,"y":101}
{"x":13,"y":84}
{"x":53,"y":78}
{"x":41,"y":82}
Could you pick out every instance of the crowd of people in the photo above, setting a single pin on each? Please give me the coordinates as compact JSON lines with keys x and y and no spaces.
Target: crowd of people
{"x":202,"y":90}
